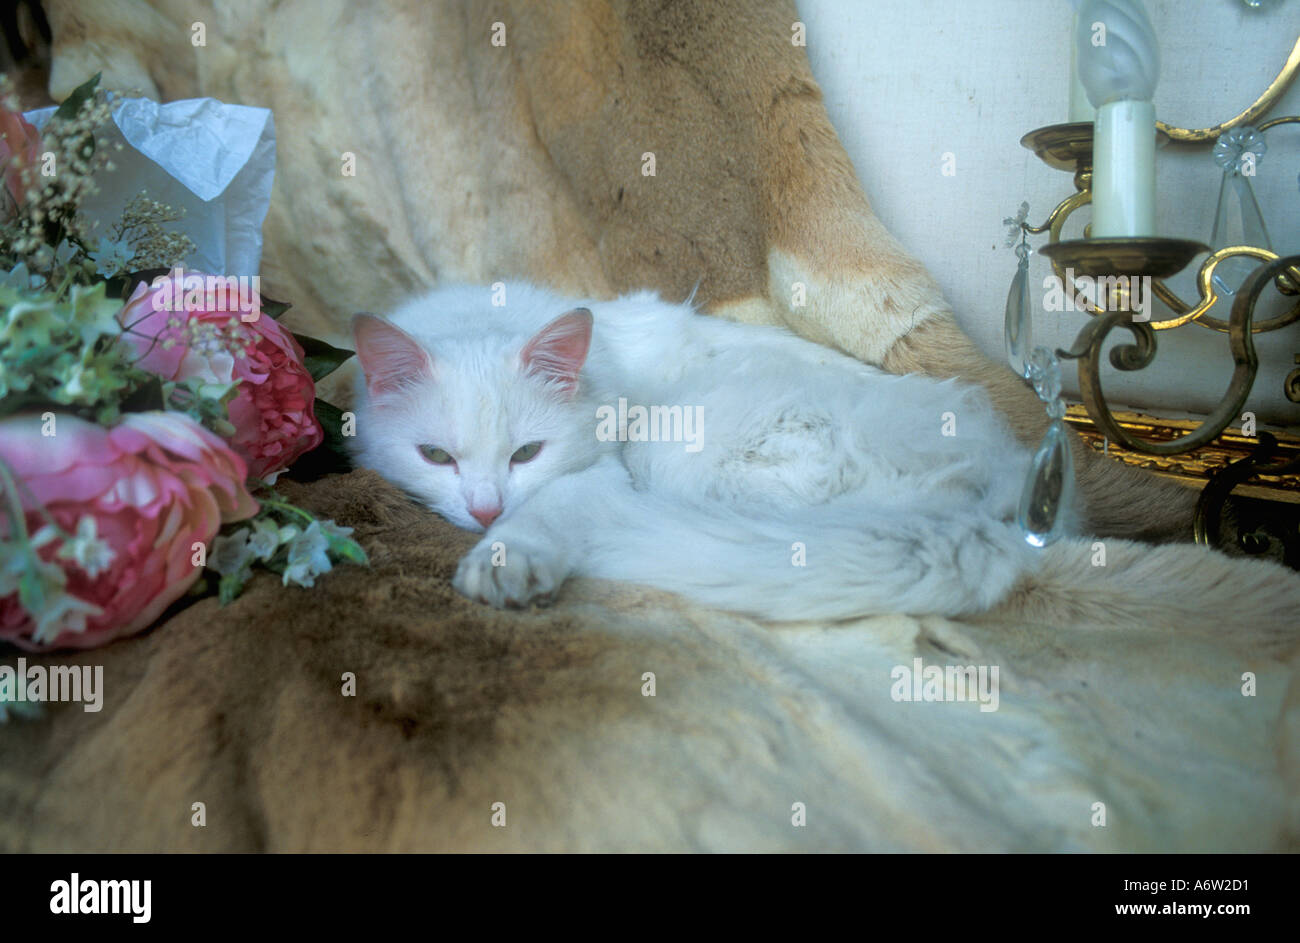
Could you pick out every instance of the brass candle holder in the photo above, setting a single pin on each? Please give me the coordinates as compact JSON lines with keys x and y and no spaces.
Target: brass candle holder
{"x":1114,"y":263}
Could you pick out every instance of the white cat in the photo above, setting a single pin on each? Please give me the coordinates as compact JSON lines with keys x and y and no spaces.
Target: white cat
{"x":738,"y":465}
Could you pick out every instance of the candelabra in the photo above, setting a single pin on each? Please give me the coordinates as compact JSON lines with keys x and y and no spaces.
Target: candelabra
{"x":1237,"y":269}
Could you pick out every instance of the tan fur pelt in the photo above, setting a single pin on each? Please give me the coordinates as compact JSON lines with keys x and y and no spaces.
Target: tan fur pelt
{"x":1107,"y":695}
{"x":482,"y":162}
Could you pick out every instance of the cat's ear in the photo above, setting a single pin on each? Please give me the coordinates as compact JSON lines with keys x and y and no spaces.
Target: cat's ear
{"x":390,"y":357}
{"x":557,"y":351}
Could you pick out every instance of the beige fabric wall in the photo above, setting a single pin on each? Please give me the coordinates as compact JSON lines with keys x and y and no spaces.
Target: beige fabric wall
{"x":908,"y":80}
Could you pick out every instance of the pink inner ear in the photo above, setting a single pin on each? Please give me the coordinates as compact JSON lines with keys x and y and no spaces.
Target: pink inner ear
{"x":390,"y":357}
{"x":557,"y":351}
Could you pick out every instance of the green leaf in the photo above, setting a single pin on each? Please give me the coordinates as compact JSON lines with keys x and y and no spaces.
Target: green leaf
{"x":330,"y":418}
{"x":78,"y":97}
{"x":349,"y":550}
{"x":332,"y":455}
{"x":321,"y":359}
{"x":273,"y":309}
{"x":229,"y":588}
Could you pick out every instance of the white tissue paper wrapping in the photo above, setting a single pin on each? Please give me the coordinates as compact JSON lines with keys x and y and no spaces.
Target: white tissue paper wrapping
{"x":216,"y":161}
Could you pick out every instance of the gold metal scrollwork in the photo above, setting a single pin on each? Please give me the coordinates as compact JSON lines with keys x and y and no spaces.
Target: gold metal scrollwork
{"x":1088,"y":348}
{"x":1208,"y":297}
{"x":1265,"y":101}
{"x":1053,"y":225}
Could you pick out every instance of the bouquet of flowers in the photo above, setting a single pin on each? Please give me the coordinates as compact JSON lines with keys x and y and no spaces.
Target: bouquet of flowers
{"x":145,"y":411}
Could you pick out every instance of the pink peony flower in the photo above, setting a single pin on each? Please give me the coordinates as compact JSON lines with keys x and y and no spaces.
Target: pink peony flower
{"x":146,"y":490}
{"x":183,"y":327}
{"x":20,"y":146}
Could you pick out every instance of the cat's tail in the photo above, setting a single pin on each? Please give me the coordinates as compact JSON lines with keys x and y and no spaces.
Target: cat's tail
{"x":839,"y":562}
{"x":1118,"y":584}
{"x":836,"y":562}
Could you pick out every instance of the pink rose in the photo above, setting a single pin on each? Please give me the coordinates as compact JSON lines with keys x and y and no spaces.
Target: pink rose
{"x":152,"y":486}
{"x":182,"y":330}
{"x":20,"y":146}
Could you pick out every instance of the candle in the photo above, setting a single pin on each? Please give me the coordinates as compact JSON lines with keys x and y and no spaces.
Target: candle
{"x":1080,"y":108}
{"x":1118,"y":63}
{"x":1124,"y":169}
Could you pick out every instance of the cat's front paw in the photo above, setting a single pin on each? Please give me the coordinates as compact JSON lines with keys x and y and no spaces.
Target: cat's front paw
{"x":510,"y":574}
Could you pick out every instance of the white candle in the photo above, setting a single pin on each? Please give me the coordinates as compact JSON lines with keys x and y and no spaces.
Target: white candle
{"x":1118,"y":63}
{"x":1124,"y":169}
{"x":1080,"y":108}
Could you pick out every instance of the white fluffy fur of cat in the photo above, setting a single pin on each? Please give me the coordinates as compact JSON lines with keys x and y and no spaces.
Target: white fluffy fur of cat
{"x":818,"y":487}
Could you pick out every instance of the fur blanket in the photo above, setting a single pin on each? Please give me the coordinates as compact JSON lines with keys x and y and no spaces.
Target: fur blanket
{"x":1120,"y":686}
{"x":458,"y":707}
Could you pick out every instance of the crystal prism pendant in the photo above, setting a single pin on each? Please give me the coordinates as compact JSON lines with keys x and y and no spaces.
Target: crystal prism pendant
{"x":1017,"y":333}
{"x":1049,"y":489}
{"x":1048,"y":494}
{"x":1044,"y":373}
{"x":1237,"y":219}
{"x":1237,"y":222}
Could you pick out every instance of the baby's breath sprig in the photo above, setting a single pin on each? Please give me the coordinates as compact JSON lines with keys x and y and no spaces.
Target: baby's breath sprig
{"x":285,"y":539}
{"x":46,"y":242}
{"x":140,"y":240}
{"x":53,"y":189}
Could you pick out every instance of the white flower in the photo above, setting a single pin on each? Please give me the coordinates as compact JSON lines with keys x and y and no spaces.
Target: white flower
{"x":64,"y":252}
{"x":62,"y":613}
{"x":335,"y":530}
{"x":308,"y":556}
{"x":265,"y":539}
{"x":42,"y":592}
{"x":87,"y":550}
{"x":299,"y":574}
{"x":19,"y":277}
{"x":231,"y":555}
{"x":112,"y":257}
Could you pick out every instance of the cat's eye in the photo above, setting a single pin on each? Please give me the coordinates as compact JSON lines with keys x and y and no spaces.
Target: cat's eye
{"x":437,"y":456}
{"x":525,"y":453}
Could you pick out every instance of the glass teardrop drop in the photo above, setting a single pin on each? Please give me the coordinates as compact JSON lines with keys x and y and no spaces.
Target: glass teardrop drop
{"x":1237,"y":222}
{"x":1049,"y":489}
{"x":1017,"y":333}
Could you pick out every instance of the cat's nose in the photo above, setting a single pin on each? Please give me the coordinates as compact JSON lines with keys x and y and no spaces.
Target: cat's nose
{"x":486,"y":516}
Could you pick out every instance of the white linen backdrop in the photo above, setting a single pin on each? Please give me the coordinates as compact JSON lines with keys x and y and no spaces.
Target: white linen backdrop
{"x":908,"y":81}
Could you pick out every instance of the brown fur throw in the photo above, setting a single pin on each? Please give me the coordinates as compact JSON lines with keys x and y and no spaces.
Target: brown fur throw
{"x":458,"y":707}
